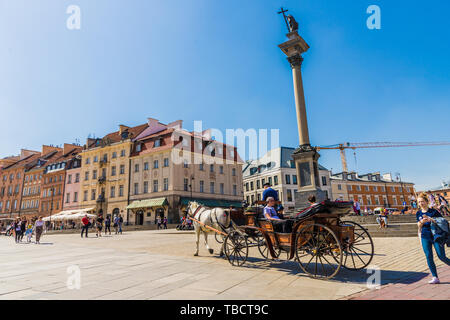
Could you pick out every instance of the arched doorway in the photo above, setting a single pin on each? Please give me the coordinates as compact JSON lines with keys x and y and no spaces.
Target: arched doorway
{"x":140,"y":217}
{"x":115,"y":212}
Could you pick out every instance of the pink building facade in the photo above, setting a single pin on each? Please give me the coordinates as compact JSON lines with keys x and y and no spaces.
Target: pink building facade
{"x":72,"y":195}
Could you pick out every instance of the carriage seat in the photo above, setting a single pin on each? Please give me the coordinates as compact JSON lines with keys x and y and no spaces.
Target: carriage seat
{"x":269,"y":225}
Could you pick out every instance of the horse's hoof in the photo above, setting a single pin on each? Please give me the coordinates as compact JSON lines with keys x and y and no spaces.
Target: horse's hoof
{"x":195,"y":254}
{"x":211,"y":251}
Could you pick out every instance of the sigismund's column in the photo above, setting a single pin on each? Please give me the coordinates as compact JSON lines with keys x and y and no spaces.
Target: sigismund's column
{"x":305,"y":156}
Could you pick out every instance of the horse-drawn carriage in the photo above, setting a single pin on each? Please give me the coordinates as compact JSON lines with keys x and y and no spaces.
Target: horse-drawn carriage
{"x":317,"y":238}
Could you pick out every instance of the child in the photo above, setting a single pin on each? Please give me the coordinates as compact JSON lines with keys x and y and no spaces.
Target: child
{"x":29,"y":232}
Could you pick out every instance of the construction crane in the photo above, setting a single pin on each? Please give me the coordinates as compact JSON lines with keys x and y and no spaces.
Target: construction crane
{"x":366,"y":145}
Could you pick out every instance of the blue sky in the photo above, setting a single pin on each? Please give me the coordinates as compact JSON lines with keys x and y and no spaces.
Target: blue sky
{"x":219,"y":61}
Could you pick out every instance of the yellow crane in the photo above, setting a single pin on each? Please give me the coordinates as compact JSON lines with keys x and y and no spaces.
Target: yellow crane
{"x":366,"y":145}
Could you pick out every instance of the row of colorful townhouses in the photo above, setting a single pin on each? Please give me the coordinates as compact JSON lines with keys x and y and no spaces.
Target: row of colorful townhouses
{"x":138,"y":172}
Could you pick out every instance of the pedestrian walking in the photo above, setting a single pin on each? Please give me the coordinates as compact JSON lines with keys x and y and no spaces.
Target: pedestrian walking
{"x":431,"y":200}
{"x":85,"y":225}
{"x":165,"y":222}
{"x":425,"y":217}
{"x":23,"y":228}
{"x":39,"y":228}
{"x":108,"y":224}
{"x":120,"y":223}
{"x":16,"y":228}
{"x":158,"y":221}
{"x":116,"y":224}
{"x":99,"y":225}
{"x":29,"y":232}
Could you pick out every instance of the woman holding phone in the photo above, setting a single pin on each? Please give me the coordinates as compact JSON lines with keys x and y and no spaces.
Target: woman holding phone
{"x":425,"y":216}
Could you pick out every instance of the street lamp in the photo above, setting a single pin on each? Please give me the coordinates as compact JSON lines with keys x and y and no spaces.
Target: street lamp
{"x":52,"y":190}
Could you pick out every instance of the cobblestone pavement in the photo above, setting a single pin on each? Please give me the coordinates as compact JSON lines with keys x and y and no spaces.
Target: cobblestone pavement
{"x":161,"y":265}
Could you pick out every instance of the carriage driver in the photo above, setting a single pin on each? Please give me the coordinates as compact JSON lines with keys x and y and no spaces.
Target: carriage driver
{"x":270,"y":214}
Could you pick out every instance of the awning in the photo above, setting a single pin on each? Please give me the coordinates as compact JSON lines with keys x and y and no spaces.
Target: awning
{"x":156,"y":202}
{"x":213,"y":202}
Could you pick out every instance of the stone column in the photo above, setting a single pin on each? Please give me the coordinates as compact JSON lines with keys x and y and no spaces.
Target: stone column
{"x":305,"y":156}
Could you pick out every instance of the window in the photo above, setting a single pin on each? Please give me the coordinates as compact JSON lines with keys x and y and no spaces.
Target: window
{"x":258,"y":186}
{"x":185,"y":184}
{"x":136,"y":167}
{"x":288,"y":179}
{"x":157,"y":143}
{"x":113,"y":170}
{"x":121,"y":191}
{"x":367,"y":188}
{"x":275,"y":180}
{"x":75,"y":196}
{"x":233,"y":171}
{"x":166,"y":184}
{"x":222,"y":188}
{"x":122,"y":169}
{"x":349,"y":188}
{"x":145,"y":166}
{"x":88,"y":160}
{"x":211,"y":168}
{"x":93,"y":194}
{"x":393,"y":189}
{"x":138,"y":147}
{"x":339,"y":187}
{"x":114,"y":155}
{"x":369,"y":200}
{"x":136,"y":188}
{"x":324,"y":180}
{"x":400,"y":189}
{"x":155,"y":164}
{"x":200,"y":166}
{"x":145,"y":186}
{"x":166,"y":162}
{"x":86,"y":175}
{"x":294,"y":179}
{"x":395,"y":200}
{"x":247,"y":187}
{"x":377,"y":200}
{"x":155,"y":185}
{"x":94,"y":174}
{"x":185,"y":164}
{"x":202,"y":186}
{"x":67,"y":197}
{"x":375,"y":188}
{"x":234,"y":190}
{"x":95,"y":158}
{"x":251,"y":185}
{"x":122,"y":153}
{"x":77,"y":177}
{"x":211,"y":187}
{"x":289,"y":195}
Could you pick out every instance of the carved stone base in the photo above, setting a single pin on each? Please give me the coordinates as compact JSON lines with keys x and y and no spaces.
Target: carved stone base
{"x":301,"y":198}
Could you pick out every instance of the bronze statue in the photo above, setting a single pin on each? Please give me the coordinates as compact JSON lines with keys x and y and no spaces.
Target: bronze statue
{"x":293,"y":25}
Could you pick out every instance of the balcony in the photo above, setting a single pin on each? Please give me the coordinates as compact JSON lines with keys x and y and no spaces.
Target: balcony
{"x":103,"y":162}
{"x":101,"y":179}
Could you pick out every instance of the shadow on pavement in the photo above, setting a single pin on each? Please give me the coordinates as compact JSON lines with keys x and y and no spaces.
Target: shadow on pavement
{"x":344,"y":275}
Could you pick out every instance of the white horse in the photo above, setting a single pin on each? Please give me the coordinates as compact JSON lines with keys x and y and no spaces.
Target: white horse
{"x":217,"y":218}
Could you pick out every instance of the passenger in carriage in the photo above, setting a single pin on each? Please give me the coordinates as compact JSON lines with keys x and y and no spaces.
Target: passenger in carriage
{"x":269,"y":192}
{"x":271,"y":215}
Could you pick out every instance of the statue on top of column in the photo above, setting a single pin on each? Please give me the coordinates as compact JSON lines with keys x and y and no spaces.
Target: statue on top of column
{"x":293,"y":25}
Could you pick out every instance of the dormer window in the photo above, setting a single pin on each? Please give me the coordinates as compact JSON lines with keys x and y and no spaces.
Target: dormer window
{"x":157,"y":143}
{"x":138,"y":147}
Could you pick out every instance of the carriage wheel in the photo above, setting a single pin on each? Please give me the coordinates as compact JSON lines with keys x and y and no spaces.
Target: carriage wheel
{"x":318,"y":251}
{"x":264,"y":249}
{"x":358,"y":253}
{"x":236,"y":248}
{"x":219,"y":237}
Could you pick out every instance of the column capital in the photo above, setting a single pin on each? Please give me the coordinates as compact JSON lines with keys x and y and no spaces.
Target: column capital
{"x":295,"y":60}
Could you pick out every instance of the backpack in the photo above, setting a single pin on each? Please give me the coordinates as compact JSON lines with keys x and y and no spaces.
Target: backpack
{"x":120,"y":219}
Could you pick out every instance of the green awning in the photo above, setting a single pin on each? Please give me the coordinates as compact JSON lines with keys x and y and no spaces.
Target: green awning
{"x":156,"y":202}
{"x":213,"y":202}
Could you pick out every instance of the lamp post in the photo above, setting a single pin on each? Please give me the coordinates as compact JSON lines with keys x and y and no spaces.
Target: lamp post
{"x":52,"y":190}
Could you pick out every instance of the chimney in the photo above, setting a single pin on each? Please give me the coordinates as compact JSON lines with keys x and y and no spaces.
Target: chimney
{"x":122,"y":128}
{"x":46,"y":149}
{"x":26,"y":153}
{"x":176,"y":125}
{"x":152,"y":122}
{"x":69,"y":147}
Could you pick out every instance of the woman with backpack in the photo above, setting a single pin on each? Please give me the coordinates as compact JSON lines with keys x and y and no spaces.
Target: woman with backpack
{"x":425,"y":216}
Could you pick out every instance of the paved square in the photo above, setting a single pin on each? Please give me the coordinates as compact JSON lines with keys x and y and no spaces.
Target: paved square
{"x":161,"y":265}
